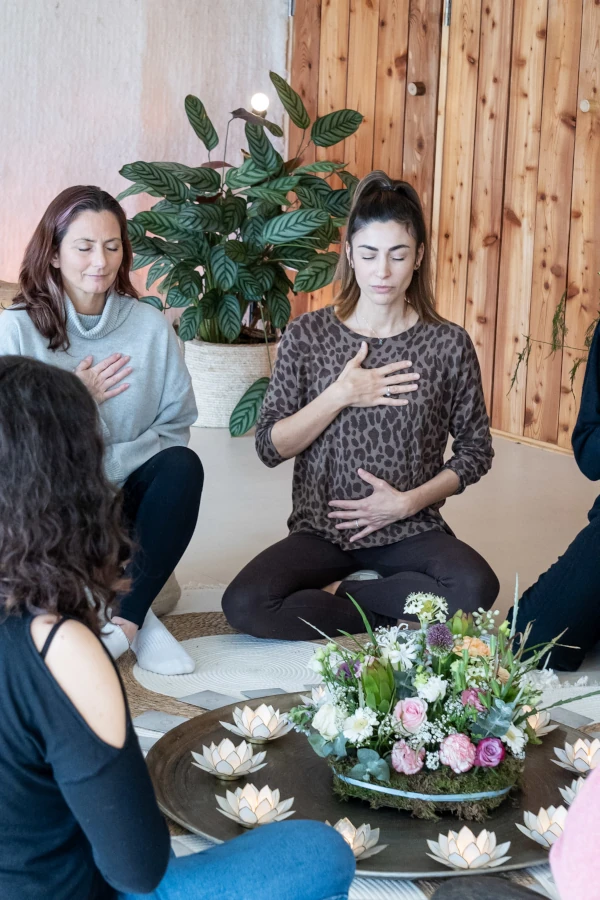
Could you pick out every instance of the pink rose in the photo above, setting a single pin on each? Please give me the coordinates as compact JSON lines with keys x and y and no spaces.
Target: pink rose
{"x":471,"y":698}
{"x":458,"y":752}
{"x":490,"y":752}
{"x":406,"y":760}
{"x":411,"y":713}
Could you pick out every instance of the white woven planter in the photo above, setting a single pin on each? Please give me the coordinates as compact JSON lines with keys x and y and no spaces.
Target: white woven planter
{"x":221,"y":374}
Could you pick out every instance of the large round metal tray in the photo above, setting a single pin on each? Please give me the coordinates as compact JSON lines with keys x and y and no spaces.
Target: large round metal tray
{"x":187,"y":795}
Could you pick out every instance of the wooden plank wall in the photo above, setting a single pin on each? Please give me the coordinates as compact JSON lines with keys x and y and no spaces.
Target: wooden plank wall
{"x":510,"y":184}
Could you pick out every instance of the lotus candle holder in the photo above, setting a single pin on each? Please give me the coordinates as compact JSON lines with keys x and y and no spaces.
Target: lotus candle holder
{"x":259,"y":725}
{"x":546,"y":827}
{"x":250,"y":807}
{"x":361,"y":840}
{"x":581,"y":757}
{"x":540,"y":721}
{"x":569,"y":792}
{"x":464,"y":850}
{"x":228,"y":762}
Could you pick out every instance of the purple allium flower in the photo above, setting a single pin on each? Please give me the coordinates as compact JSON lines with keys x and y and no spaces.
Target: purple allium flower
{"x":440,"y":639}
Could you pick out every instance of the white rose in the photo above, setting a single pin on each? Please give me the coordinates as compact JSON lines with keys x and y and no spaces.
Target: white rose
{"x":316,"y":665}
{"x":434,"y":689}
{"x":325,"y":722}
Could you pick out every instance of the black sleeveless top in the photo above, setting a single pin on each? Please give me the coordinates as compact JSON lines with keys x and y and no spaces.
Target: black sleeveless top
{"x":78,"y":818}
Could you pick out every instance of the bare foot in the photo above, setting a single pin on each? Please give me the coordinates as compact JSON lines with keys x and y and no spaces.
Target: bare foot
{"x":129,"y":628}
{"x":332,"y":588}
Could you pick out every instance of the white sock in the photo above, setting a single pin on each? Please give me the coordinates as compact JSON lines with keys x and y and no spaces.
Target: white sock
{"x":158,"y":651}
{"x":114,"y":639}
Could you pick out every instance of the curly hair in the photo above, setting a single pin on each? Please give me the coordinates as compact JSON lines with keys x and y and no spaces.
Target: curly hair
{"x":40,"y":284}
{"x":62,"y":544}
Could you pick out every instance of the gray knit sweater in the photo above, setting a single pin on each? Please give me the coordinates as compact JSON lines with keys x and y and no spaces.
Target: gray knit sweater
{"x":157,"y":409}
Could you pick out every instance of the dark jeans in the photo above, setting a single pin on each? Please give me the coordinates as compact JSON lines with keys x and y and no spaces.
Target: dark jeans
{"x":283,"y":584}
{"x":482,"y":887}
{"x":160,"y":506}
{"x":567,"y":596}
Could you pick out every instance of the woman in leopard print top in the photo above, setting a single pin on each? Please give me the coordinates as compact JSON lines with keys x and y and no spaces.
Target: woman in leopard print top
{"x":365,"y":395}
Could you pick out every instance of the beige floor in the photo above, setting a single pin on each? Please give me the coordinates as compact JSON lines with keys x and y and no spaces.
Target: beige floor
{"x":521,"y":516}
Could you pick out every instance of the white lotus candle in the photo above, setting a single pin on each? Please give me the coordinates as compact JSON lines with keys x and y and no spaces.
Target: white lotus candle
{"x":464,"y":850}
{"x":546,"y":827}
{"x":361,"y":840}
{"x":581,"y":757}
{"x":250,"y":807}
{"x":228,"y":762}
{"x":259,"y":725}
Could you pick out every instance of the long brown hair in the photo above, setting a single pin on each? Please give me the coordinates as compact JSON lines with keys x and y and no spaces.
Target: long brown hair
{"x":62,"y":543}
{"x":40,"y":284}
{"x":378,"y":198}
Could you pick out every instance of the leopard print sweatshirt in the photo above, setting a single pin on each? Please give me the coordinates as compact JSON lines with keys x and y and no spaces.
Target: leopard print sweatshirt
{"x":404,"y":445}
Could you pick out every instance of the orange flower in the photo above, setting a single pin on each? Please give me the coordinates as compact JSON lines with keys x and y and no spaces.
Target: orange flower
{"x":475,"y":647}
{"x":503,"y":675}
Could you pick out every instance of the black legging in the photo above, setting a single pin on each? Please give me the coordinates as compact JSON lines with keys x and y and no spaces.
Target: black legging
{"x":283,"y":584}
{"x":567,"y":596}
{"x":160,"y":507}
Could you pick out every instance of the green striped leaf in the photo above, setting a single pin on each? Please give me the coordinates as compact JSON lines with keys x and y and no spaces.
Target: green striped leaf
{"x":156,"y":271}
{"x":323,"y":165}
{"x":279,"y":307}
{"x":290,"y":226}
{"x":311,"y":199}
{"x":160,"y":180}
{"x":252,"y":230}
{"x":248,"y":284}
{"x":233,"y":212}
{"x":265,"y":275}
{"x":203,"y":217}
{"x":261,"y":149}
{"x":236,"y":251}
{"x":166,"y":206}
{"x":190,"y":284}
{"x":146,"y":246}
{"x":335,"y":127}
{"x":140,"y":261}
{"x":176,"y":299}
{"x":291,"y":101}
{"x":318,"y":274}
{"x":210,"y":303}
{"x":246,"y":412}
{"x":224,"y":269}
{"x":294,"y":256}
{"x":198,"y":119}
{"x":266,"y":192}
{"x":130,"y":191}
{"x":202,"y":179}
{"x":338,"y":203}
{"x":245,"y":175}
{"x":229,"y":317}
{"x":135,"y":229}
{"x":167,"y":225}
{"x":349,"y":181}
{"x":189,"y":323}
{"x":153,"y":301}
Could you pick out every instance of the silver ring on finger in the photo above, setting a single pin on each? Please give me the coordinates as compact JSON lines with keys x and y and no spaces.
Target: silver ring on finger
{"x":357,"y":524}
{"x":388,"y":393}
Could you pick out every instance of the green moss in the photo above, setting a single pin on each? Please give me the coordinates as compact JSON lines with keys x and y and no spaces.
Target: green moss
{"x":442,"y":781}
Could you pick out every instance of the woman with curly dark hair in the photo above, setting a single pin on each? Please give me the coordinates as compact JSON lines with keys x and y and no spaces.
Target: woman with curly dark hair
{"x":79,"y":817}
{"x":77,"y":309}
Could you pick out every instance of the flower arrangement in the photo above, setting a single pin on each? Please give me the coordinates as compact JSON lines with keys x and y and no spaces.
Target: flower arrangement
{"x":435,"y":719}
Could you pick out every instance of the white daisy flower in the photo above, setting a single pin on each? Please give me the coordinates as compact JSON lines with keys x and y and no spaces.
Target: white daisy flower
{"x":359,"y":727}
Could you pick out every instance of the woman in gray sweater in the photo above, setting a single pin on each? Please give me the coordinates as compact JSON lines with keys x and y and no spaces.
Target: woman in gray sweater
{"x":76,"y":309}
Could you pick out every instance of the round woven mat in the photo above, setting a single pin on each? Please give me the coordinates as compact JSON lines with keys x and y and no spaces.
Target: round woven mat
{"x":183,"y":627}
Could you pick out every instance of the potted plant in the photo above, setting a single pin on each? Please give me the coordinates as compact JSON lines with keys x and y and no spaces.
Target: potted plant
{"x":221,"y":241}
